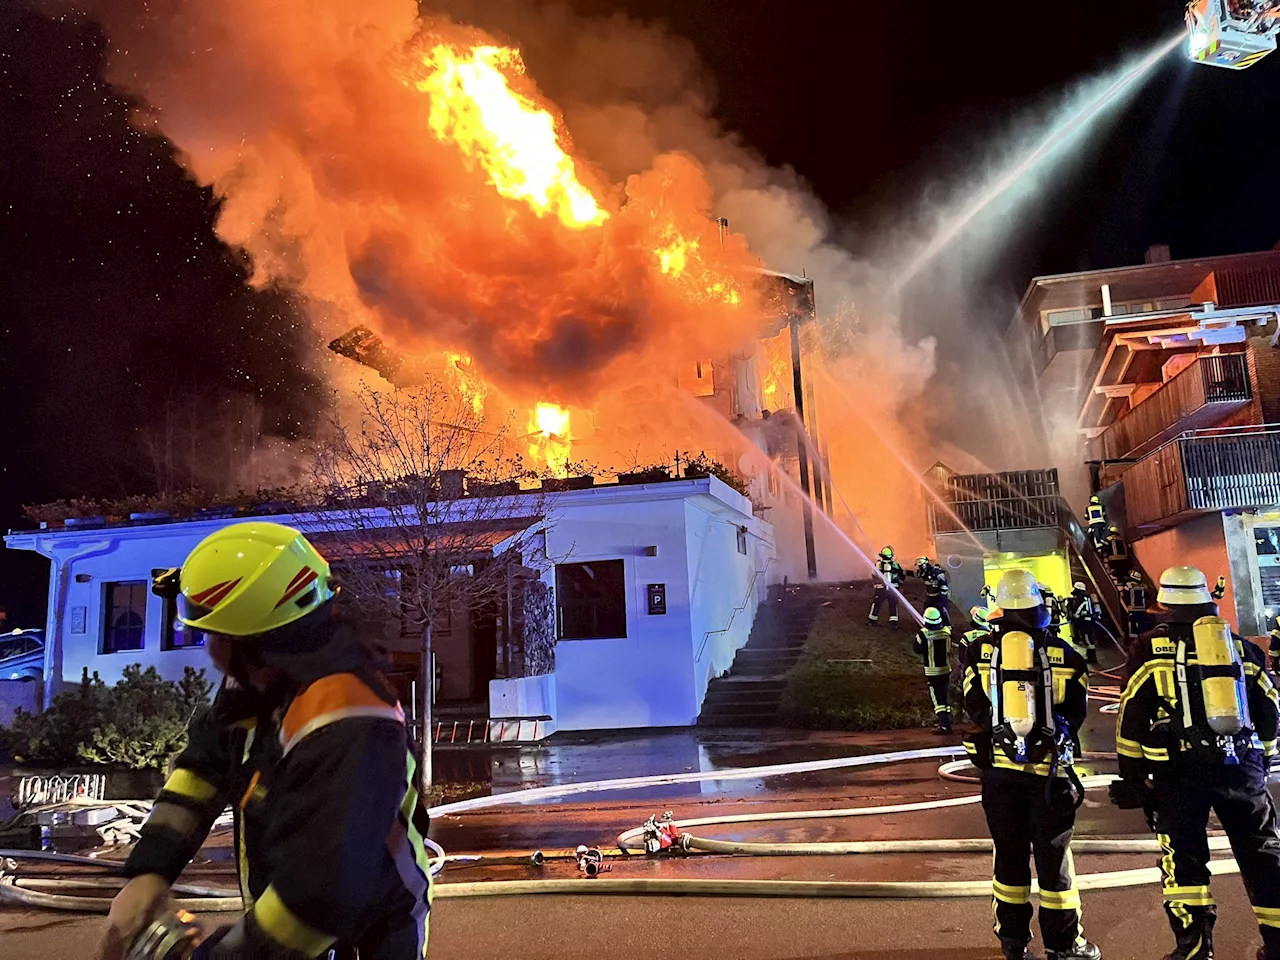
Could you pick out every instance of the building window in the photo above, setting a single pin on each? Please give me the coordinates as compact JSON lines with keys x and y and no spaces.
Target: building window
{"x":742,"y":540}
{"x":591,"y":600}
{"x":124,"y":625}
{"x":1266,"y":541}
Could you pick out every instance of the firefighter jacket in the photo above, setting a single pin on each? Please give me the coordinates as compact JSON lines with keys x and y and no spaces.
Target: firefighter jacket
{"x":1134,"y":596}
{"x":968,"y":640}
{"x":1115,"y":548}
{"x":1070,"y":677}
{"x":892,"y":571}
{"x":1096,"y":515}
{"x":934,"y":647}
{"x":935,"y":583}
{"x":1149,"y":725}
{"x":1275,"y":639}
{"x":328,"y":823}
{"x":1079,"y":606}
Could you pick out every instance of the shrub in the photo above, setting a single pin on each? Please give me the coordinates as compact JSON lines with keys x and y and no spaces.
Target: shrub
{"x":139,"y":723}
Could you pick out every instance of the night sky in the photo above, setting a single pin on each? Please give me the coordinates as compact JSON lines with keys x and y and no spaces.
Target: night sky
{"x":121,"y":308}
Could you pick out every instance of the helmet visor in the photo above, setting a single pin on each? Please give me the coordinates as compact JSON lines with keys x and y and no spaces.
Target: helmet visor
{"x":189,"y":611}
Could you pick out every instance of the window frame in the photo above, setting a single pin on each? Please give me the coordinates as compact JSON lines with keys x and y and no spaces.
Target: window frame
{"x":106,"y":646}
{"x":621,"y":600}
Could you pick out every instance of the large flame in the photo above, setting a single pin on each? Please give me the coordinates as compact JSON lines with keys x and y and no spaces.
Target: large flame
{"x":550,"y":445}
{"x":512,"y":138}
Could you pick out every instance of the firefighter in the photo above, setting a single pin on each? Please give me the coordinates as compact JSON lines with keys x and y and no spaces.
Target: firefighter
{"x":1026,"y":750}
{"x":1219,"y":589}
{"x":1082,"y":613}
{"x":889,"y":579}
{"x":980,"y":629}
{"x":937,"y":590}
{"x":306,"y":741}
{"x":1053,"y":605}
{"x":1115,"y":552}
{"x":1274,"y":648}
{"x":1134,"y":595}
{"x":1196,"y":731}
{"x":1096,"y":520}
{"x":933,"y":644}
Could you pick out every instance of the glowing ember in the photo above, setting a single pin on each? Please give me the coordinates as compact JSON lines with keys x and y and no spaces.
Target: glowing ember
{"x":512,"y":138}
{"x":466,"y":380}
{"x":549,"y":443}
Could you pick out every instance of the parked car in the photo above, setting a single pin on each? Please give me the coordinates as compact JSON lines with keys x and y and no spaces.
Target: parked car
{"x":22,"y":655}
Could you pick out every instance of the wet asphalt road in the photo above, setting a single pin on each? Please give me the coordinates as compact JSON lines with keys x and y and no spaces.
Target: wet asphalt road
{"x":1127,"y":923}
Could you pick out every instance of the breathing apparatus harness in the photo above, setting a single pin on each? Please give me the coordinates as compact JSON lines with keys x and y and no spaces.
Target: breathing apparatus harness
{"x":1023,"y":724}
{"x":1216,"y":725}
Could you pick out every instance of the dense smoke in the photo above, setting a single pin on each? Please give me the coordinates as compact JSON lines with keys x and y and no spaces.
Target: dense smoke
{"x":308,"y":118}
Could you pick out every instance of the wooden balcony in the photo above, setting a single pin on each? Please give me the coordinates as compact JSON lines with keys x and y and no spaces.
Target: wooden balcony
{"x":1199,"y":396}
{"x":1228,"y":469}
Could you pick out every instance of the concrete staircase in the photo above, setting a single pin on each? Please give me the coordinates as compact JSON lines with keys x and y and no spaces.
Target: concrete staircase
{"x":751,"y":693}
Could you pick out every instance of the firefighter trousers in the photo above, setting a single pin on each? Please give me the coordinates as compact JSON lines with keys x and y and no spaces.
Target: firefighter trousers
{"x":1025,"y":825}
{"x":1083,"y":638}
{"x":877,"y":601}
{"x":940,"y":695}
{"x":1238,"y":795}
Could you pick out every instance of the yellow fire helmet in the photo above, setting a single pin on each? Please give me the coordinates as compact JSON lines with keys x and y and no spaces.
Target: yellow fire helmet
{"x":249,"y":578}
{"x":1018,"y":590}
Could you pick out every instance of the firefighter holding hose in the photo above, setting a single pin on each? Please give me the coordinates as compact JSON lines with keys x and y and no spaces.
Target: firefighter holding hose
{"x":1028,"y":692}
{"x":890,"y":577}
{"x":1195,"y":732}
{"x":306,"y":742}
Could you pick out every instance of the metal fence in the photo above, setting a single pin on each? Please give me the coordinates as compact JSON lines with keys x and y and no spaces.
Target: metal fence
{"x":1015,"y":500}
{"x":1231,"y":470}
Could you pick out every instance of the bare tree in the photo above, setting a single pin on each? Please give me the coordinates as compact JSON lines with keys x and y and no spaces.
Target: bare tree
{"x":428,"y":515}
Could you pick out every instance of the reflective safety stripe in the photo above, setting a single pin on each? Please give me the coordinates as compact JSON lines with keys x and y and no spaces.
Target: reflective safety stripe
{"x":171,"y":816}
{"x":1011,"y":894}
{"x":1189,"y":896}
{"x":283,"y":926}
{"x":1269,"y":747}
{"x":1060,"y":900}
{"x":1155,"y":753}
{"x":1166,"y":685}
{"x":1128,"y":748}
{"x":1166,"y":861}
{"x":341,"y":696}
{"x":1267,"y":916}
{"x":187,"y":784}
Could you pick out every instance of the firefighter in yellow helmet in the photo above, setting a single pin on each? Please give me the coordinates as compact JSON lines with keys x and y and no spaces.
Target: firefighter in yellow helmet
{"x":933,"y":645}
{"x":1196,"y":731}
{"x":306,"y":742}
{"x":1027,"y":690}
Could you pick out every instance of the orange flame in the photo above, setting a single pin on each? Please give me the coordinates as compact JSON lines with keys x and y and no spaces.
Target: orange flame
{"x":507,"y":134}
{"x":549,"y":443}
{"x":466,"y":380}
{"x":680,"y":260}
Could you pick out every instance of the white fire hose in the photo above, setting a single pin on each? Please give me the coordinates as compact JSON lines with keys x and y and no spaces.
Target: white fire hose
{"x":32,"y":893}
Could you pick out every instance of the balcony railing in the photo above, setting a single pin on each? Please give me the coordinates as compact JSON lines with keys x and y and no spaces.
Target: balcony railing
{"x":994,"y":501}
{"x":1202,"y":471}
{"x":1208,"y":388}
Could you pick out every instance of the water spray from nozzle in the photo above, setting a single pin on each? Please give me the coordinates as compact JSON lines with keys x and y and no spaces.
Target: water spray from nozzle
{"x":1061,"y":133}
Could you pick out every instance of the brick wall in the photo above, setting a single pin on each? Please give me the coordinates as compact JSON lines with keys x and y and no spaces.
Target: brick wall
{"x":1264,"y":373}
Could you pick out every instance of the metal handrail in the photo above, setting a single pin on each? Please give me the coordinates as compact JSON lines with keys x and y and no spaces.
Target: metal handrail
{"x":706,"y":637}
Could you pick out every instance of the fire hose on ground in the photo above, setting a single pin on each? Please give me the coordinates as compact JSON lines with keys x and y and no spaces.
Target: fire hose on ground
{"x":196,"y":898}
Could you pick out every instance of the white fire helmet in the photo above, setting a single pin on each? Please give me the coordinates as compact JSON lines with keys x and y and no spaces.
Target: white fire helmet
{"x":933,"y":617}
{"x":1079,"y":585}
{"x":1183,"y":586}
{"x":1018,"y":590}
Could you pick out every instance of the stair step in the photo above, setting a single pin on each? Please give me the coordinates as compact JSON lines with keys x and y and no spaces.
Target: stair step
{"x":744,"y":720}
{"x":742,"y":684}
{"x":732,"y":695}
